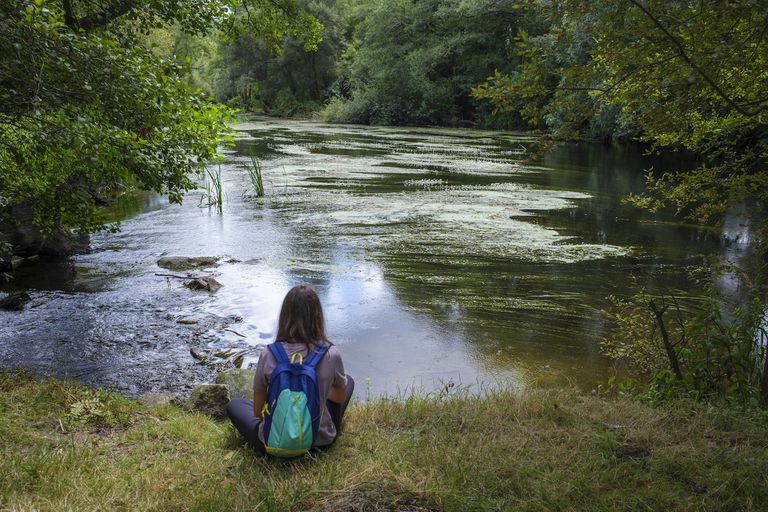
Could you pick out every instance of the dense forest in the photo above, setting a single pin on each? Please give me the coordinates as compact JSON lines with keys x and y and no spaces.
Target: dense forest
{"x":387,"y":62}
{"x":147,"y":77}
{"x":683,"y":75}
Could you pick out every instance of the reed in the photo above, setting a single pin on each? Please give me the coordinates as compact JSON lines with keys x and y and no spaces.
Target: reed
{"x":256,"y":177}
{"x":213,"y":191}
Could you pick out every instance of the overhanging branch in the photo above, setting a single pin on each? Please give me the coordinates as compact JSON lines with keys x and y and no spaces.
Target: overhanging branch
{"x":105,"y":16}
{"x":684,"y":55}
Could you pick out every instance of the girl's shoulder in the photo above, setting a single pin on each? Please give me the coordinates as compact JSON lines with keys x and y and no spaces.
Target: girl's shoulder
{"x":334,"y":357}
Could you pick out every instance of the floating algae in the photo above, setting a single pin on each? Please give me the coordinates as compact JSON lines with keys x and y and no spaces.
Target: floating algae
{"x":419,"y":241}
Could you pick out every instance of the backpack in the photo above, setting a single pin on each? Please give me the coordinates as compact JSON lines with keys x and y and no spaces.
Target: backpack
{"x":292,"y":411}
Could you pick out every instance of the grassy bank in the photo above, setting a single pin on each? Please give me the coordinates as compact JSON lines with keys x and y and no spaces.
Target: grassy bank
{"x":65,"y":447}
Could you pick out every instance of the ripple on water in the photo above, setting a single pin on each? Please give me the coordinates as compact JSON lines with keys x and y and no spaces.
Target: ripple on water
{"x":430,"y":238}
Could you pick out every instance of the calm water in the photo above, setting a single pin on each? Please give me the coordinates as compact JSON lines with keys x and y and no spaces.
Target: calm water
{"x":438,"y":255}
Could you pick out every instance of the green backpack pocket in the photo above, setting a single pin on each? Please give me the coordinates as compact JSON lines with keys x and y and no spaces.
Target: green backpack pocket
{"x":291,"y":431}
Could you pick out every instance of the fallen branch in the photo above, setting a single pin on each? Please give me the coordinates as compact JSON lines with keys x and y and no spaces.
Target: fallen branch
{"x":190,"y":278}
{"x":671,"y":354}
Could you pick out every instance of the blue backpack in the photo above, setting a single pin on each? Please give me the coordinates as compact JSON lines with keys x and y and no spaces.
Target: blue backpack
{"x":292,"y":412}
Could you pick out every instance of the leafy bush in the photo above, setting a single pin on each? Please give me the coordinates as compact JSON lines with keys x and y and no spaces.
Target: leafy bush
{"x":717,"y":348}
{"x":354,"y":111}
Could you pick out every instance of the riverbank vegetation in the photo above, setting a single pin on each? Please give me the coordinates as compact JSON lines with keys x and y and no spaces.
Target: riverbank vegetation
{"x":67,"y":447}
{"x":86,"y":106}
{"x":99,"y":95}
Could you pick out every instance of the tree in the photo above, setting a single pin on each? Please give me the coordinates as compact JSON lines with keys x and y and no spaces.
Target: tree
{"x":415,"y":62}
{"x":691,"y":74}
{"x":85,"y":107}
{"x":292,"y":81}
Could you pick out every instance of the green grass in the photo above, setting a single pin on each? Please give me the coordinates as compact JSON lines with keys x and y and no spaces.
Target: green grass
{"x":65,"y":447}
{"x":255,"y":175}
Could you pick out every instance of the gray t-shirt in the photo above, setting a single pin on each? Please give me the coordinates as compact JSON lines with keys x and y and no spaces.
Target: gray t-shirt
{"x":330,"y":373}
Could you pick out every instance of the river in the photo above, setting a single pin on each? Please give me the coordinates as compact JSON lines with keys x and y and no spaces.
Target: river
{"x":442,"y":259}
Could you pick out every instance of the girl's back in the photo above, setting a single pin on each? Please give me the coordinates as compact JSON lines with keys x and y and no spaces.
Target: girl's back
{"x":330,"y":373}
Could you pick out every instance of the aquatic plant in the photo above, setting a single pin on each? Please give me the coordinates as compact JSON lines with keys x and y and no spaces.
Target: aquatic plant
{"x":213,"y":192}
{"x":426,"y":183}
{"x":255,"y":174}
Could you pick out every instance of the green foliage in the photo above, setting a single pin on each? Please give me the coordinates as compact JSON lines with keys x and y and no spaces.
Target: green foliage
{"x":248,"y":72}
{"x":254,"y":174}
{"x":635,"y":339}
{"x":679,"y":74}
{"x":388,"y":62}
{"x":90,"y":411}
{"x":415,"y":62}
{"x":719,"y":346}
{"x":86,"y":106}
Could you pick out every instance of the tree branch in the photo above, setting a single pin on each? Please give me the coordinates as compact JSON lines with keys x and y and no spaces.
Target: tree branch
{"x":681,"y":51}
{"x":671,"y":354}
{"x":69,"y":15}
{"x":106,"y":16}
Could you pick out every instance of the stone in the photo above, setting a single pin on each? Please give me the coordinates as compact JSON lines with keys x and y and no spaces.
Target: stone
{"x":238,"y":381}
{"x":186,"y":321}
{"x":15,"y":301}
{"x":158,"y":399}
{"x":197,"y":355}
{"x":179,"y":263}
{"x":204,"y":284}
{"x":18,"y":228}
{"x":209,"y":399}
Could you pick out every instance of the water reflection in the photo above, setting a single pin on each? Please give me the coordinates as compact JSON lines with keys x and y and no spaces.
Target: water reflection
{"x":438,"y":256}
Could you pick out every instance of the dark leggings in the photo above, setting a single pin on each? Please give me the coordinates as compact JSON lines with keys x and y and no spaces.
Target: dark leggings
{"x":240,"y":412}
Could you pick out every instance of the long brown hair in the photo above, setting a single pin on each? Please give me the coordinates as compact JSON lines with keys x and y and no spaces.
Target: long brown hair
{"x":301,"y":317}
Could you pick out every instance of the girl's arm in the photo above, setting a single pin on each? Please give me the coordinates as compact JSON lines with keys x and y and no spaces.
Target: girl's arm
{"x":338,"y":391}
{"x":338,"y":395}
{"x":259,"y":397}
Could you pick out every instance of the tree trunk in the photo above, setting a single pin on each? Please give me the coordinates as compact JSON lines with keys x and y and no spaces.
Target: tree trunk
{"x":764,"y":379}
{"x":671,"y":354}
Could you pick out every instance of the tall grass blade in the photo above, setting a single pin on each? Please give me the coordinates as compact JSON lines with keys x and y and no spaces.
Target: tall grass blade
{"x":213,"y":191}
{"x":255,"y":175}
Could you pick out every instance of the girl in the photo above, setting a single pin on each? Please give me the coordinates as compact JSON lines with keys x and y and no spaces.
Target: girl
{"x":301,"y":328}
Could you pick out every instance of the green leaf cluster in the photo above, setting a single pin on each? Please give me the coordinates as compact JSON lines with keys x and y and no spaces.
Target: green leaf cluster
{"x":720,"y":345}
{"x":415,"y":62}
{"x":86,"y":107}
{"x":685,"y":75}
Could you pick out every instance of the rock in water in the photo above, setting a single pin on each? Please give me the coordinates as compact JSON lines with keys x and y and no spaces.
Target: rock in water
{"x":179,"y":263}
{"x":15,"y":301}
{"x":239,"y":382}
{"x":204,"y":283}
{"x":16,"y":262}
{"x":210,"y":399}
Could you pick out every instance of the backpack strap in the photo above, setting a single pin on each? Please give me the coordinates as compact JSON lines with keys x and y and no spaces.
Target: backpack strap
{"x":316,"y":356}
{"x":279,"y":352}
